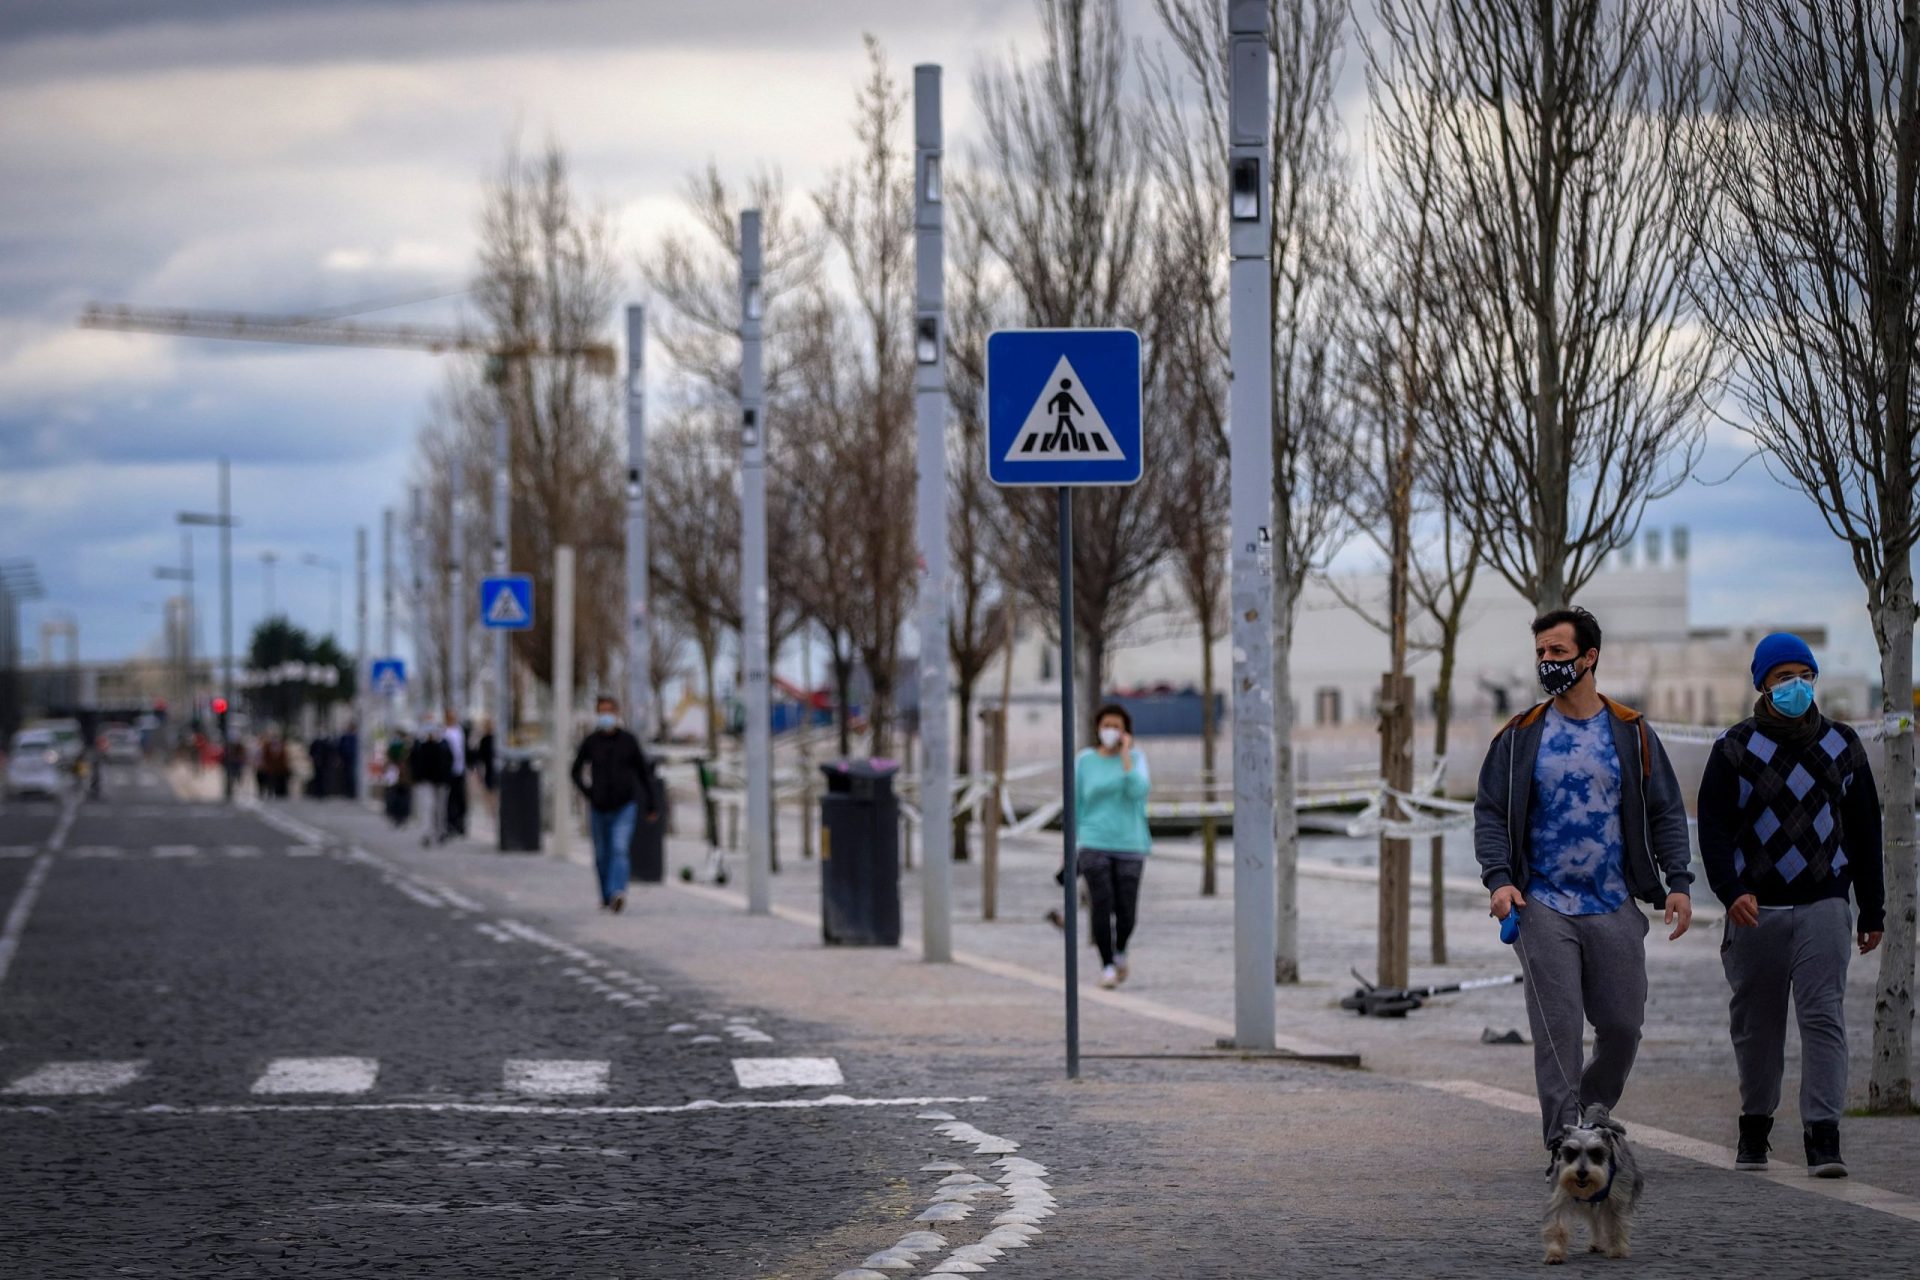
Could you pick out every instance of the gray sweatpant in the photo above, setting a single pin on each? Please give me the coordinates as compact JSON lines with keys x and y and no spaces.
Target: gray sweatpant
{"x":1579,"y":970}
{"x":1802,"y":951}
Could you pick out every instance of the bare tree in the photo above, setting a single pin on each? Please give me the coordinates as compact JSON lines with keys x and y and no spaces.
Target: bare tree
{"x":978,"y":620}
{"x":1058,"y":192}
{"x":547,"y":278}
{"x":695,"y":568}
{"x":1308,"y":195}
{"x":1574,"y":389}
{"x":1810,"y":244}
{"x":867,"y":211}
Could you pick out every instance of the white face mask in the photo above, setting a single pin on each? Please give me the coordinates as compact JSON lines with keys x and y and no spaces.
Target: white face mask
{"x":1109,"y":737}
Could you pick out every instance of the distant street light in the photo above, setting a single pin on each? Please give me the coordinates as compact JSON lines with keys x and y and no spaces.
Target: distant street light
{"x":333,"y":567}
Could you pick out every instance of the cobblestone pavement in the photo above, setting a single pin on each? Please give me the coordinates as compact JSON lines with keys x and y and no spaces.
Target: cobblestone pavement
{"x":230,"y":1050}
{"x":1168,"y":1163}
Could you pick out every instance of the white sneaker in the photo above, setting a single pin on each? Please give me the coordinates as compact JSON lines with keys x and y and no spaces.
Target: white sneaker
{"x":1120,"y":969}
{"x":1109,"y":978}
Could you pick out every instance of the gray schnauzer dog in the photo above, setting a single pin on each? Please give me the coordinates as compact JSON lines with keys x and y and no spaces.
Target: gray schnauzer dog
{"x":1595,"y":1177}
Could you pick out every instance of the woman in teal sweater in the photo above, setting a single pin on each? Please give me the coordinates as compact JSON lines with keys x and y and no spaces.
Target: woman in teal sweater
{"x":1110,"y":785}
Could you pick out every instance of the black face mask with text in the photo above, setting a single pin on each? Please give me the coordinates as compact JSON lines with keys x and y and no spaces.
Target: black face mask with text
{"x":1558,"y":677}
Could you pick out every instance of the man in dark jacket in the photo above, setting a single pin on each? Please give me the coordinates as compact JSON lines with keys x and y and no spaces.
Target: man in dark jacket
{"x":1789,"y":821}
{"x":620,"y":780}
{"x":1578,"y":803}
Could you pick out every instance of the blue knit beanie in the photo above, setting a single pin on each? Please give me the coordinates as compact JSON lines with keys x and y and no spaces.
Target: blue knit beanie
{"x":1781,"y":646}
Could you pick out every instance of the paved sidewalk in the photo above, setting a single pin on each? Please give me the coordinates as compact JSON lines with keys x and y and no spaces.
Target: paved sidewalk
{"x":1192,"y":1165}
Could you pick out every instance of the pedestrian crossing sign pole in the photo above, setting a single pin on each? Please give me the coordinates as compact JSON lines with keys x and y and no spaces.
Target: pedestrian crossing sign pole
{"x":1063,"y":411}
{"x":506,"y":602}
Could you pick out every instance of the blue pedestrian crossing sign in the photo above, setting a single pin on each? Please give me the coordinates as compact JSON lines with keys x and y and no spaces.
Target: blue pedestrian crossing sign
{"x":387,"y":675}
{"x":1063,"y":407}
{"x":506,"y":603}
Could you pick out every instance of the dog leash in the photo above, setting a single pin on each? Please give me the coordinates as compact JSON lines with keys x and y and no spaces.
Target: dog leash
{"x":1533,"y":993}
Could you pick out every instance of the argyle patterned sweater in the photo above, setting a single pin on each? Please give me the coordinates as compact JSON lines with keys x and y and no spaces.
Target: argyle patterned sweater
{"x":1792,"y":825}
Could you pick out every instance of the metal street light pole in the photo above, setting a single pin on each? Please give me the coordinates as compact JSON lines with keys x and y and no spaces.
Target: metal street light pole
{"x":501,"y":373}
{"x":1250,"y":414}
{"x":753,"y":572}
{"x":267,"y":559}
{"x":223,"y":521}
{"x":386,"y":603}
{"x":360,"y":652}
{"x":333,"y":567}
{"x":930,"y":414}
{"x":456,"y":699}
{"x":639,"y":641}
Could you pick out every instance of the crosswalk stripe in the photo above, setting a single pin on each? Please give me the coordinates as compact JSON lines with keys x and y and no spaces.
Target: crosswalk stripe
{"x":66,"y":1078}
{"x":555,"y":1077}
{"x":318,"y":1075}
{"x":773,"y":1073}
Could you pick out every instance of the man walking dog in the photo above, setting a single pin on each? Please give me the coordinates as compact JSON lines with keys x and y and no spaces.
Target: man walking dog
{"x":1578,"y":814}
{"x":1789,"y":821}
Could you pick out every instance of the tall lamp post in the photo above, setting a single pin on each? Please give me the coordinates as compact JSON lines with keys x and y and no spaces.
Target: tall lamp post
{"x":333,"y":567}
{"x":224,"y":522}
{"x":1250,"y":416}
{"x":184,"y":576}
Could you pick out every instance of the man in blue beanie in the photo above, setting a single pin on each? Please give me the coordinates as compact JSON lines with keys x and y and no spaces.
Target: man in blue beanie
{"x":1789,"y":821}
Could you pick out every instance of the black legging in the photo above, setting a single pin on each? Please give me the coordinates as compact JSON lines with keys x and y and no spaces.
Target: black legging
{"x":1113,"y":893}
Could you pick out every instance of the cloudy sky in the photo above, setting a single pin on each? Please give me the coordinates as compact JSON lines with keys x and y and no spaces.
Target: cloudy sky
{"x":285,"y":155}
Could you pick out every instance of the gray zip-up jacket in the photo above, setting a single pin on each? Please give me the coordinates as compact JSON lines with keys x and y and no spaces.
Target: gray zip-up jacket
{"x":1653,"y":815}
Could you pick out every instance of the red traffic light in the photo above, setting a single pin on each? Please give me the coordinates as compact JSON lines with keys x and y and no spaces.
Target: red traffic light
{"x":219,"y":706}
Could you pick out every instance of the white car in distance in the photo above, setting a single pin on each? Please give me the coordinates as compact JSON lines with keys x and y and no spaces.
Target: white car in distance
{"x":36,"y":765}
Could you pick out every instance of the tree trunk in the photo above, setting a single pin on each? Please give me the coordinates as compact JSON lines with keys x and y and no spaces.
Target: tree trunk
{"x":843,"y":698}
{"x":1208,"y":757}
{"x":1890,"y":1080}
{"x":880,"y":714}
{"x":963,"y":767}
{"x":1437,"y":853}
{"x":707,"y":660}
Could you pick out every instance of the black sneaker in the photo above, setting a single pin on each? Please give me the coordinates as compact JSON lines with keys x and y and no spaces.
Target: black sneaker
{"x":1753,"y":1143}
{"x":1823,"y":1151}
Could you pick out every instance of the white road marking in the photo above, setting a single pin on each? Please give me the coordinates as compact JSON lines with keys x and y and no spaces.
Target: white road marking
{"x":555,"y":1077}
{"x":17,"y":851}
{"x":175,"y":850}
{"x":777,"y":1073}
{"x":16,"y":922}
{"x":71,"y":1078}
{"x":58,"y":840}
{"x":1850,"y":1190}
{"x":242,"y":850}
{"x":318,"y":1075}
{"x":459,"y":900}
{"x":96,"y":851}
{"x":522,"y":1108}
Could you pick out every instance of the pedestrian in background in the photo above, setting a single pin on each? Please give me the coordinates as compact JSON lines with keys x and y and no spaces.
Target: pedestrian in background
{"x":486,"y":759}
{"x":1578,"y":802}
{"x":431,"y":764}
{"x":456,"y":740}
{"x":1789,"y":822}
{"x":1110,"y":785}
{"x":611,"y":770}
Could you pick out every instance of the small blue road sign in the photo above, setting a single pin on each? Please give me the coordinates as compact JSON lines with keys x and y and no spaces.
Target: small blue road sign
{"x":388,"y":675}
{"x":1063,"y":407}
{"x":506,"y":603}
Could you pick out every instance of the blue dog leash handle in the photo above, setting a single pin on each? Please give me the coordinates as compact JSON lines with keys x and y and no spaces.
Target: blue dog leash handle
{"x":1510,"y":927}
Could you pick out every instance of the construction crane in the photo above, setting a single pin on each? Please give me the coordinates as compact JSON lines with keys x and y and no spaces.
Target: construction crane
{"x":326,"y":331}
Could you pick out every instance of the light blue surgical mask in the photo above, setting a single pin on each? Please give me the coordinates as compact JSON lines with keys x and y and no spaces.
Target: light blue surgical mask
{"x":1792,"y":697}
{"x":605,"y":720}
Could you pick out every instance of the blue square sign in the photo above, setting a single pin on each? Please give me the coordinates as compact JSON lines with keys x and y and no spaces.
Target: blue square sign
{"x":506,"y":603}
{"x":1063,"y":407}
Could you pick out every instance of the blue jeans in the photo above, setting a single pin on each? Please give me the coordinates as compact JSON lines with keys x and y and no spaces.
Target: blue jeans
{"x":612,"y":835}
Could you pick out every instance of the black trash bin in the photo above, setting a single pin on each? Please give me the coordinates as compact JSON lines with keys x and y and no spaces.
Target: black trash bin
{"x":647,"y":851}
{"x":860,"y":855}
{"x":519,"y":801}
